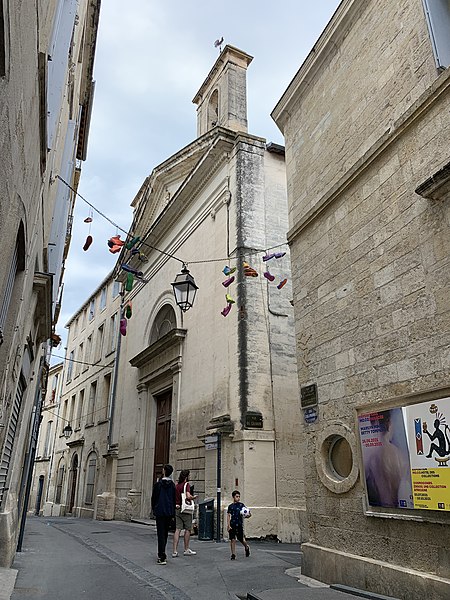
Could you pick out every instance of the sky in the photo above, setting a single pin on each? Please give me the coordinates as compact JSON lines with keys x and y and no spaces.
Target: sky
{"x":151,"y":59}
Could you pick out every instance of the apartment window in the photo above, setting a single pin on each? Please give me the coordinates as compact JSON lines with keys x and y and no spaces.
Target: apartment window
{"x":64,"y":415}
{"x":91,"y":409}
{"x":17,"y":264}
{"x":103,"y":298}
{"x":47,"y":439}
{"x":70,"y":365}
{"x":83,"y":320}
{"x":87,"y":356}
{"x":92,"y":310}
{"x":80,"y":410}
{"x":54,"y":388}
{"x":75,"y":327}
{"x":164,"y":322}
{"x":90,"y":478}
{"x":112,"y":332}
{"x":116,"y":289}
{"x":438,"y":20}
{"x":72,"y":410}
{"x":106,"y":390}
{"x":59,"y":482}
{"x":80,"y":359}
{"x":99,"y":344}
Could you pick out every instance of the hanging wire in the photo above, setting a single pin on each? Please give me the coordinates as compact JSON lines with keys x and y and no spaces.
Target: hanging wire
{"x":80,"y":361}
{"x":147,"y":245}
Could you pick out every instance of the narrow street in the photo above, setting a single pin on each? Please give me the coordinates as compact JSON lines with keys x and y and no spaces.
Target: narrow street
{"x":66,"y":558}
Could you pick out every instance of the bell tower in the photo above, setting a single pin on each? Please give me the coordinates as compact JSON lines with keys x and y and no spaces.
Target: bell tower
{"x":222,"y":97}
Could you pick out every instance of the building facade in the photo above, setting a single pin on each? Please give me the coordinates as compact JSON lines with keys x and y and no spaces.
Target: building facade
{"x":366,"y":121}
{"x":77,"y":481}
{"x":46,"y":66}
{"x":224,"y":371}
{"x":44,"y":460}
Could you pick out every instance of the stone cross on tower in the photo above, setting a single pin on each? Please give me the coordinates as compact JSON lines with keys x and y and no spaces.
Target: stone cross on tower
{"x":222,"y":97}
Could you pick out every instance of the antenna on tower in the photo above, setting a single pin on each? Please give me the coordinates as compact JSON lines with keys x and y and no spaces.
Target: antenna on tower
{"x":218,"y":44}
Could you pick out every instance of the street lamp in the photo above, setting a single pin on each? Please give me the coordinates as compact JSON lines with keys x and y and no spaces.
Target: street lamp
{"x":67,"y":431}
{"x":184,"y":288}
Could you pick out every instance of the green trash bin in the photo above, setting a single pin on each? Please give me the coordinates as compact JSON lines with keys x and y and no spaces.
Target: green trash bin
{"x":206,"y":519}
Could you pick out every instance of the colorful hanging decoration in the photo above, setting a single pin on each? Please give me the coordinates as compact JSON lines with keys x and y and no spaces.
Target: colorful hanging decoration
{"x":129,"y":269}
{"x":269,"y":276}
{"x":87,"y":243}
{"x":123,"y":326}
{"x":228,"y":281}
{"x":128,"y":310}
{"x":129,"y":245}
{"x":228,"y":270}
{"x":282,"y":283}
{"x":226,"y":310}
{"x":249,"y":271}
{"x":89,"y":238}
{"x":273,"y":255}
{"x":115,"y":244}
{"x":129,"y":282}
{"x":141,"y":256}
{"x":229,"y":299}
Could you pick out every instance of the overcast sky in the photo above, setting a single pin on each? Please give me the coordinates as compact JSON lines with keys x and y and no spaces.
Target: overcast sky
{"x":151,"y":59}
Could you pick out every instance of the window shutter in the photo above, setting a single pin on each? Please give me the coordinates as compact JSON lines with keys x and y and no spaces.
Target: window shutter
{"x":438,"y":19}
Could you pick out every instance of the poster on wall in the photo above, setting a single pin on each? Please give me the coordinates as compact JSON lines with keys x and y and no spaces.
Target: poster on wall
{"x":405,"y":455}
{"x":429,"y":449}
{"x":385,"y":455}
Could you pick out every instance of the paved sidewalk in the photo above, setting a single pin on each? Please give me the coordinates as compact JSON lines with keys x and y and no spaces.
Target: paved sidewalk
{"x":67,"y":558}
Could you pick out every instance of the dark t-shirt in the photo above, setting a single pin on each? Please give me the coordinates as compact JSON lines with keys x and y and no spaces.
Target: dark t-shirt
{"x":236,"y":519}
{"x":178,"y":490}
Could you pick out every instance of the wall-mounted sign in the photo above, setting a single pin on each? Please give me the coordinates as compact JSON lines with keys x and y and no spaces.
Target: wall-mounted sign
{"x":310,"y":415}
{"x":406,"y":451}
{"x":211,"y":442}
{"x":253,"y":421}
{"x":308,"y":395}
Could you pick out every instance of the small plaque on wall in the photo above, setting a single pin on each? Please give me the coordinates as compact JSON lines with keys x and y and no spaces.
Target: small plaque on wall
{"x":308,"y":395}
{"x":253,"y":421}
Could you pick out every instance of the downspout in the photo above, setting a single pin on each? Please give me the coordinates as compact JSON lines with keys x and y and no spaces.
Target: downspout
{"x":112,"y":403}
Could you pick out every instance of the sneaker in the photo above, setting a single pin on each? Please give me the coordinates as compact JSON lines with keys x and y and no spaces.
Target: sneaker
{"x":161,"y":561}
{"x":174,"y":554}
{"x":233,"y":557}
{"x":189,"y":552}
{"x":247,"y":551}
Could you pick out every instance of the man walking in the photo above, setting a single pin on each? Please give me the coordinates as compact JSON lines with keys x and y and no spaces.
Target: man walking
{"x":163,"y":507}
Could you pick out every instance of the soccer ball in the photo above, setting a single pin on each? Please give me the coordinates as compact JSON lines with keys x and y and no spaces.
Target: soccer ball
{"x":245,"y":512}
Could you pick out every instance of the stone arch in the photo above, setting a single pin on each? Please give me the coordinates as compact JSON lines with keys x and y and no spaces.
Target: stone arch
{"x":213,"y":109}
{"x":164,"y":321}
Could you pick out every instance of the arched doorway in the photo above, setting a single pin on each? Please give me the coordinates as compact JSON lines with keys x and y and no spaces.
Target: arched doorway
{"x":73,"y":483}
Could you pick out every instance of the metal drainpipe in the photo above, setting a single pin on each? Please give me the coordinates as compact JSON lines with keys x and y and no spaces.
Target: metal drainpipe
{"x":112,"y":403}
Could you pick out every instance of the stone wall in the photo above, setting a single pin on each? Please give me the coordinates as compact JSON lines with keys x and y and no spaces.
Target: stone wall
{"x":371,"y":280}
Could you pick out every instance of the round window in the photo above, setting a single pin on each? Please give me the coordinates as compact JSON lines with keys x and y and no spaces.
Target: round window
{"x":336,"y":467}
{"x":340,"y":457}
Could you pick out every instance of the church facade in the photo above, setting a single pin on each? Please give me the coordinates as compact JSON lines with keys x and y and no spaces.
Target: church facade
{"x":212,"y":389}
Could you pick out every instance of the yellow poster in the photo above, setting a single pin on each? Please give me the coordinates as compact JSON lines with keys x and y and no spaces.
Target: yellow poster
{"x":428,"y":437}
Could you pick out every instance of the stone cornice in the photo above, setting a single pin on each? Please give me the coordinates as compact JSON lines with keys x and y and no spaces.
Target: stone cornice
{"x":423,"y":104}
{"x":171,"y":339}
{"x":327,"y":42}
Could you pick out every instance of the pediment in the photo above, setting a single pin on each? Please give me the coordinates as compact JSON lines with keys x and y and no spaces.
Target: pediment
{"x":170,"y":178}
